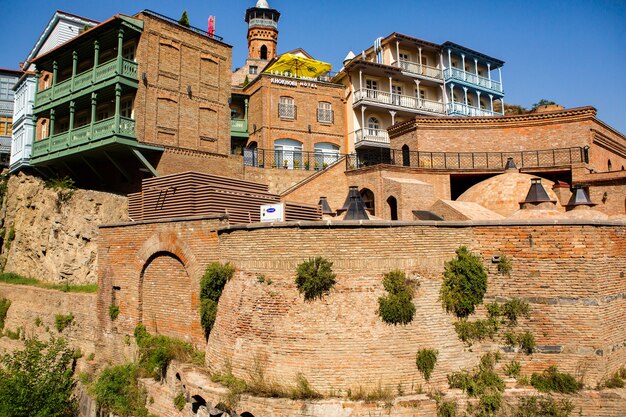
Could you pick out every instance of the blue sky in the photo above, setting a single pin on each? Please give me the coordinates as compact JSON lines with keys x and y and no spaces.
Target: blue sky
{"x":572,"y":52}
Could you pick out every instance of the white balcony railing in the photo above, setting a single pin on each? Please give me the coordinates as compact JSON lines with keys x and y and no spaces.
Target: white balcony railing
{"x":472,"y":78}
{"x":461,"y":109}
{"x":420,"y":69}
{"x":405,"y":102}
{"x":262,"y":22}
{"x":373,"y":136}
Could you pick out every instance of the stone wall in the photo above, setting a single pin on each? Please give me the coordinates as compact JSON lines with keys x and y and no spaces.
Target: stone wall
{"x":40,"y":320}
{"x":570,"y":272}
{"x":55,"y":240}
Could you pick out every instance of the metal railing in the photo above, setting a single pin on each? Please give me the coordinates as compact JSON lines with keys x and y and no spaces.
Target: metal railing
{"x":327,"y":77}
{"x":468,"y":160}
{"x":239,"y":125}
{"x":191,"y":28}
{"x":287,"y":111}
{"x":405,"y":102}
{"x":257,"y":21}
{"x":289,"y":159}
{"x":420,"y":69}
{"x":470,"y":77}
{"x":461,"y":109}
{"x":325,"y":116}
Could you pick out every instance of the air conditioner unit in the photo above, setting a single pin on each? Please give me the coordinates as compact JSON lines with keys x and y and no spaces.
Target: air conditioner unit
{"x":273,"y":213}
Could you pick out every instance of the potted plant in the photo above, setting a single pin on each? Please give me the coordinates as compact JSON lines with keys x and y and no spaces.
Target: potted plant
{"x":324,"y":165}
{"x":306,"y":165}
{"x":296,"y":164}
{"x":285,"y":162}
{"x":316,"y":166}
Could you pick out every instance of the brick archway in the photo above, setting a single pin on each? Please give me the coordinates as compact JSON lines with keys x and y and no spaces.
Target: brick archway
{"x":168,"y":288}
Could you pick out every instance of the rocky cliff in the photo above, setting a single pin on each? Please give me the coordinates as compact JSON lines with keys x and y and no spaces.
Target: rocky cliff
{"x":50,"y":233}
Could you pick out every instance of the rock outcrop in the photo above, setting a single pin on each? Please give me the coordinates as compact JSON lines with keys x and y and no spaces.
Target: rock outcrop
{"x":50,"y":234}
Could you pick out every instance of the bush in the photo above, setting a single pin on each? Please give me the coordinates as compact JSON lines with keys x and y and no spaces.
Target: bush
{"x":37,"y":381}
{"x":551,"y":380}
{"x":464,"y":284}
{"x":180,"y":401}
{"x":542,"y":407}
{"x":513,"y":369}
{"x":397,"y":306}
{"x":117,"y":391}
{"x":504,"y":265}
{"x":4,"y":309}
{"x":525,"y":341}
{"x":315,"y":278}
{"x":472,"y":331}
{"x":10,"y":238}
{"x":515,"y":308}
{"x":446,"y":408}
{"x":426,"y":360}
{"x":114,"y":311}
{"x":61,"y":321}
{"x":482,"y":383}
{"x":614,"y":381}
{"x":212,"y":284}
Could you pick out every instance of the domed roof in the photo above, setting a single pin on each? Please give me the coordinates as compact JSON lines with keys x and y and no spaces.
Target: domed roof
{"x":262,"y":4}
{"x":504,"y":192}
{"x":586,"y":214}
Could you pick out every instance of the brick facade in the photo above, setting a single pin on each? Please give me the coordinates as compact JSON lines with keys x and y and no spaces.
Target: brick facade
{"x":339,"y":341}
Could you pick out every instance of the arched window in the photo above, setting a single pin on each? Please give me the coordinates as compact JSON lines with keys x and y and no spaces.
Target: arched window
{"x":286,"y":108}
{"x":263,"y":52}
{"x":368,"y":199}
{"x":324,"y":112}
{"x":392,"y":203}
{"x":288,"y":154}
{"x":610,"y":165}
{"x":44,"y":129}
{"x":373,"y":126}
{"x":406,"y":156}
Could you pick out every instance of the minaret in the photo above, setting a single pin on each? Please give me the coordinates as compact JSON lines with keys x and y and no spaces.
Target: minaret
{"x":262,"y":31}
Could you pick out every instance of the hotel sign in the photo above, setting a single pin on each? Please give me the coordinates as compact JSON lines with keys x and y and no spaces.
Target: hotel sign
{"x":293,"y":83}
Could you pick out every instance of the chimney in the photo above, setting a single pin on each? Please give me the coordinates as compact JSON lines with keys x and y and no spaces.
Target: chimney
{"x":579,"y":198}
{"x":323,"y":203}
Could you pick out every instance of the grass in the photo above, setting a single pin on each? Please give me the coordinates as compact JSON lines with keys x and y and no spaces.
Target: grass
{"x":15,"y":279}
{"x":62,"y":321}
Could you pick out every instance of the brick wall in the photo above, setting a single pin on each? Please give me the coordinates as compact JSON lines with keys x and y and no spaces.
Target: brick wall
{"x":173,"y":59}
{"x":176,"y":160}
{"x":571,"y":273}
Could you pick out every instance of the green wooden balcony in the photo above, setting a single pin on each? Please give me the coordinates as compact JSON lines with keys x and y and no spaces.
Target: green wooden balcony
{"x":103,"y":132}
{"x":92,"y":77}
{"x":239,"y":128}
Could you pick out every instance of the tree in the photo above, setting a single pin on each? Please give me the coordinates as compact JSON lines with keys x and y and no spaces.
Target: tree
{"x":37,"y":381}
{"x":542,"y":102}
{"x":184,"y":19}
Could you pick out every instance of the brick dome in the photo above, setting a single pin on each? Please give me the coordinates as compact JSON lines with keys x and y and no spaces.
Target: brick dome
{"x":504,"y":192}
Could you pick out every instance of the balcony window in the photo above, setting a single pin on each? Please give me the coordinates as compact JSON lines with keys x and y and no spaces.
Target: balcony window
{"x":324,"y":112}
{"x":373,"y":126}
{"x":102,"y":114}
{"x":127,"y":108}
{"x":128,"y":51}
{"x":404,"y":58}
{"x":286,"y":108}
{"x":44,"y":129}
{"x":81,"y":119}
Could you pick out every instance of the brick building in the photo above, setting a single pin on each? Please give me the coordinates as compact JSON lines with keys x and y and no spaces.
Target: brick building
{"x":134,"y":96}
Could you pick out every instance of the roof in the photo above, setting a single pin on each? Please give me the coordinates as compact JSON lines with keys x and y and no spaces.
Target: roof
{"x":497,"y":62}
{"x":58,"y":15}
{"x":15,"y":73}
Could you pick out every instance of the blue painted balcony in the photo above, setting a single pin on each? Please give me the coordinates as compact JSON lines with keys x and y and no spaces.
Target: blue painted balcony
{"x":473,"y":80}
{"x":461,"y":109}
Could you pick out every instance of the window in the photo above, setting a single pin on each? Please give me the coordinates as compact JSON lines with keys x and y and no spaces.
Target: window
{"x":404,"y":60}
{"x":62,"y":126}
{"x":325,"y":154}
{"x":286,"y":108}
{"x":264,"y":52}
{"x":288,"y":154}
{"x":396,"y":92}
{"x":371,"y":88}
{"x":81,"y":119}
{"x":6,"y":93}
{"x":253,"y":69}
{"x":126,"y":108}
{"x":102,"y":114}
{"x":373,"y":126}
{"x":424,"y":60}
{"x":46,"y":81}
{"x":44,"y":129}
{"x":128,"y":51}
{"x":324,"y":112}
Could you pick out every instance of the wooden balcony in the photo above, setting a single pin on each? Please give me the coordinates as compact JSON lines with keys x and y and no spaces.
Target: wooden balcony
{"x":473,"y":79}
{"x":421,"y":70}
{"x":371,"y":137}
{"x":461,"y":109}
{"x":399,"y":102}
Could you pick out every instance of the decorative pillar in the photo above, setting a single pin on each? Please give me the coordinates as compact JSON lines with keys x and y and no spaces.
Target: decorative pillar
{"x":478,"y":95}
{"x":443,"y":67}
{"x":489,"y":73}
{"x":363,"y":122}
{"x":443,"y":96}
{"x":245,"y":111}
{"x":361,"y":80}
{"x":74,"y":65}
{"x":94,"y":102}
{"x":72,"y":110}
{"x":96,"y":57}
{"x":491,"y":102}
{"x":418,"y":98}
{"x":118,"y":100}
{"x":450,"y":64}
{"x":419,"y":51}
{"x":37,"y":79}
{"x":502,"y":103}
{"x":52,"y":120}
{"x":393,"y":117}
{"x":120,"y":45}
{"x":465,"y":92}
{"x":500,"y":76}
{"x":54,"y":77}
{"x":476,"y":68}
{"x":463,"y":66}
{"x":398,"y":53}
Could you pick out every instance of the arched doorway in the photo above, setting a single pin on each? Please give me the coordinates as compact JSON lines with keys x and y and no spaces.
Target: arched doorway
{"x":392,"y":204}
{"x":165,"y":297}
{"x":251,"y":155}
{"x":287,"y":153}
{"x":325,"y":154}
{"x":406,"y":156}
{"x":368,"y":199}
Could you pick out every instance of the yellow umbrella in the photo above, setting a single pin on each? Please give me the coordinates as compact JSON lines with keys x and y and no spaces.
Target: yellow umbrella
{"x":299,"y":66}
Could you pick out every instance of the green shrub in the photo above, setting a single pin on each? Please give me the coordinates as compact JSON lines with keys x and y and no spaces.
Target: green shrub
{"x":212,"y":284}
{"x":180,"y":401}
{"x":482,"y":381}
{"x":62,"y":321}
{"x":315,"y":278}
{"x":4,"y":309}
{"x":58,"y":183}
{"x":10,"y":238}
{"x":515,"y":308}
{"x":464,"y":284}
{"x":114,"y":311}
{"x":117,"y":391}
{"x":512,"y":369}
{"x":615,"y":381}
{"x":551,"y":380}
{"x":446,"y":408}
{"x":504,"y":265}
{"x":525,"y":341}
{"x":13,"y":334}
{"x":156,"y":352}
{"x":542,"y":407}
{"x":397,"y":306}
{"x":426,"y":360}
{"x":473,"y":331}
{"x":37,"y":381}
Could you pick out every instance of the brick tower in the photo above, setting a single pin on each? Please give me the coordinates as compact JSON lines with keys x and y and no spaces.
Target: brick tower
{"x":262,"y":31}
